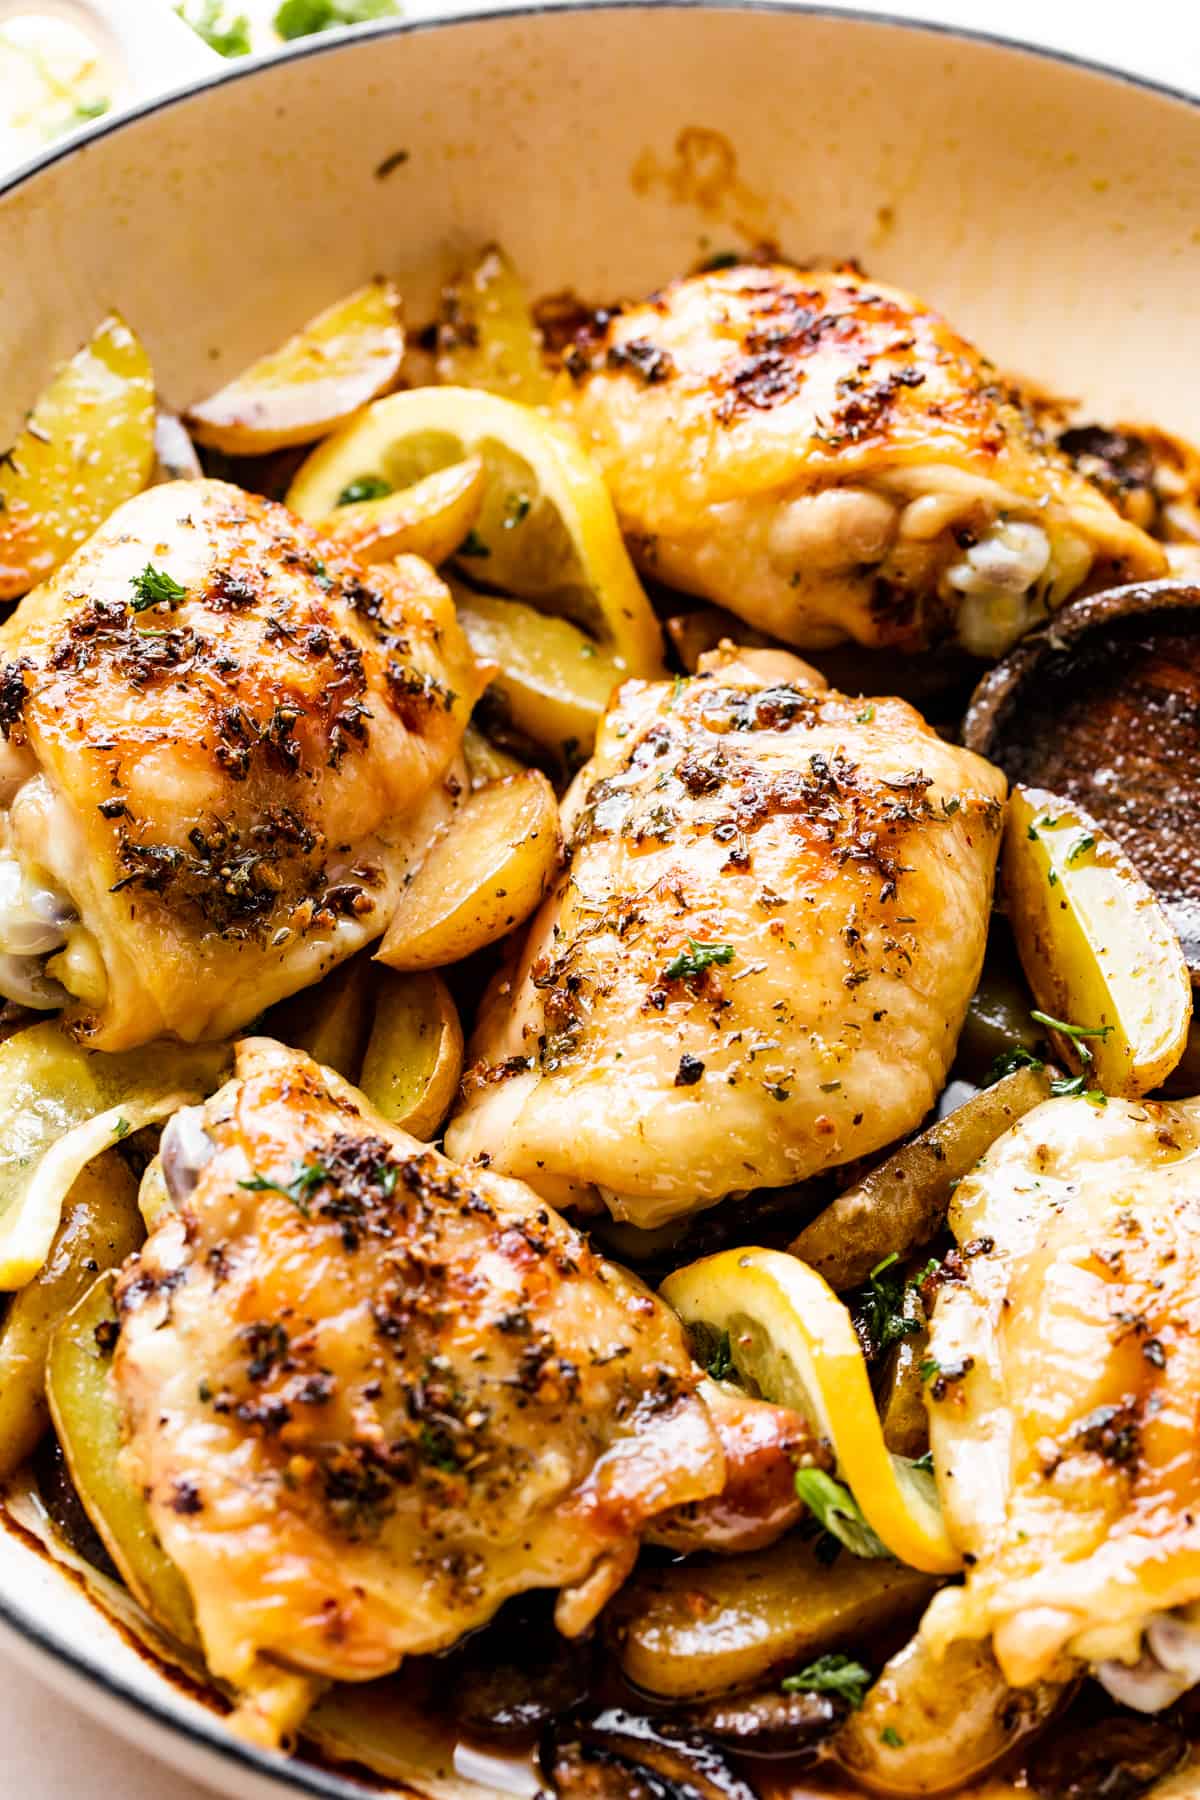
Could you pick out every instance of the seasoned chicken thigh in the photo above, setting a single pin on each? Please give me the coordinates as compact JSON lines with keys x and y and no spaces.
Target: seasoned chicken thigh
{"x":759,"y":954}
{"x":219,"y":733}
{"x":370,"y":1395}
{"x":1063,"y":1417}
{"x":827,"y":458}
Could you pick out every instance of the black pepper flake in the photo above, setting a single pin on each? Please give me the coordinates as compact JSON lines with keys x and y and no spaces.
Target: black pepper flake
{"x":185,"y":1497}
{"x":689,"y":1071}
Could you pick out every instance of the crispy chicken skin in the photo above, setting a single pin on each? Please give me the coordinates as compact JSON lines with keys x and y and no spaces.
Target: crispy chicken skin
{"x":210,"y":800}
{"x":827,"y":458}
{"x":370,"y":1395}
{"x":1064,"y":1417}
{"x":759,"y":954}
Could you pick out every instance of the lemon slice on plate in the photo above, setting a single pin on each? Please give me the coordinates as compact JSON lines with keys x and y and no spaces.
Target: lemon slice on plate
{"x":792,"y":1340}
{"x":546,"y":530}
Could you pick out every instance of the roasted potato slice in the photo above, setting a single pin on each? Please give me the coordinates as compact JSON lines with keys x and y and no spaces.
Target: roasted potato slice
{"x":1095,"y":946}
{"x":902,"y":1411}
{"x":100,"y":1227}
{"x":487,"y":337}
{"x":698,"y":1629}
{"x":429,"y":519}
{"x":487,"y":762}
{"x":931,"y":1724}
{"x":85,"y":1416}
{"x":348,"y":355}
{"x":87,"y":445}
{"x":902,"y":1204}
{"x":554,"y":680}
{"x":331,"y":1021}
{"x":414,"y":1058}
{"x":484,"y":875}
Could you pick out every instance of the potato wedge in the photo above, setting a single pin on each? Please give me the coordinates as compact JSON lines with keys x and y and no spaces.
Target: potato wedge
{"x":414,"y":1059}
{"x":694,"y":634}
{"x":331,"y":1021}
{"x":84,"y":1410}
{"x":429,"y":519}
{"x":902,"y":1204}
{"x":485,"y":874}
{"x":554,"y":680}
{"x":696,"y":1629}
{"x":100,"y":1227}
{"x":902,"y":1398}
{"x":487,"y":337}
{"x":931,"y":1724}
{"x":348,"y":355}
{"x":487,"y":762}
{"x":1095,"y":946}
{"x":87,"y":445}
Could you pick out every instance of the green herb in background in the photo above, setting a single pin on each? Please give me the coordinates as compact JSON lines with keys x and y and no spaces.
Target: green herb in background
{"x":87,"y":110}
{"x":228,"y":37}
{"x":300,"y":18}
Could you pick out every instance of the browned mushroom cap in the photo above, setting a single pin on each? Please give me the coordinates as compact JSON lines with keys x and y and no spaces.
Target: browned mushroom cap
{"x":770,"y":1722}
{"x":615,"y":1754}
{"x":510,"y":1679}
{"x":1105,"y":1756}
{"x":1102,"y":706}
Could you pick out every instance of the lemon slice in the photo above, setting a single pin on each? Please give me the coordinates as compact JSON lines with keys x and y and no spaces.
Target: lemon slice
{"x":546,"y":530}
{"x":792,"y":1339}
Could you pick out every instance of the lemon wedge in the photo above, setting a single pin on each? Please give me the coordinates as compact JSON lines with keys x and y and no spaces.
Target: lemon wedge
{"x":546,"y":531}
{"x":792,"y":1340}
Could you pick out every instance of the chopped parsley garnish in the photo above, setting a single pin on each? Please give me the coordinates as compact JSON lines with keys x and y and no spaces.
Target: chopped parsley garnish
{"x":154,"y":587}
{"x":1076,"y":1084}
{"x":688,"y":964}
{"x":364,"y":487}
{"x":1083,"y":843}
{"x":1076,"y":1032}
{"x":930,"y":1368}
{"x":832,"y":1674}
{"x":720,"y":1365}
{"x":121,"y":1129}
{"x":883,"y":1311}
{"x":891,"y":1737}
{"x":865,"y":716}
{"x":473,"y":545}
{"x":924,"y":1463}
{"x":228,"y":37}
{"x":300,"y":18}
{"x":298,"y":1190}
{"x":838,"y":1512}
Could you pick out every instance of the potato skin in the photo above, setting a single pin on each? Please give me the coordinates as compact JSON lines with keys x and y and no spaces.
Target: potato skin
{"x":100,"y":1227}
{"x":946,"y":1719}
{"x":902,"y":1204}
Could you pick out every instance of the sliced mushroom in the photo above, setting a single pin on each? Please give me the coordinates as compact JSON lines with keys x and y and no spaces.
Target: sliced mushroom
{"x":770,"y":1722}
{"x":1103,"y":708}
{"x":511,"y":1679}
{"x":1104,"y":1756}
{"x":592,"y":1757}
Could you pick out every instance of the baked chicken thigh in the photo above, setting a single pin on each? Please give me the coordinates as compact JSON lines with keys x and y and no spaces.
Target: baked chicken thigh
{"x":759,"y":954}
{"x":1063,"y":1416}
{"x":217,"y":735}
{"x":370,"y":1395}
{"x":827,"y":458}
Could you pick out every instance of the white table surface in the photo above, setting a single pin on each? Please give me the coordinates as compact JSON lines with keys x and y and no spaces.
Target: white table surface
{"x":48,"y":1752}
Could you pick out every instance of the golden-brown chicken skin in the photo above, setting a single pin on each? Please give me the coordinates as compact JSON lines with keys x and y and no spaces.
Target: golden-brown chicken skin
{"x":370,"y":1395}
{"x":218,"y":734}
{"x":827,"y":458}
{"x":759,"y":954}
{"x":1064,"y":1412}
